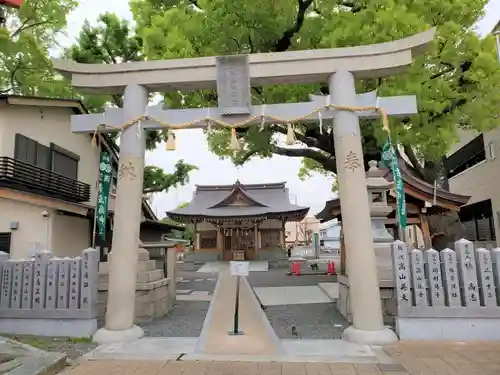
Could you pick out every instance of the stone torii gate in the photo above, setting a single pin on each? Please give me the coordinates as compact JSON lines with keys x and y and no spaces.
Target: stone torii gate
{"x":233,"y":76}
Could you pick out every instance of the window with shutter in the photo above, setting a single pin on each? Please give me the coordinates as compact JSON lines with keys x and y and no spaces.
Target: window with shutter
{"x":5,"y":242}
{"x":25,"y":149}
{"x":64,"y":162}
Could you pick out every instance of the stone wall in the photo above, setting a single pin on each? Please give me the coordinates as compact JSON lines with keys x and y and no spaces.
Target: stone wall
{"x":447,"y":295}
{"x":152,"y":300}
{"x":49,"y":296}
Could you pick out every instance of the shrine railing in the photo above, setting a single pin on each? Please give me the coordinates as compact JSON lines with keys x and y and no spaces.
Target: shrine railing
{"x":47,"y":287}
{"x":459,"y":283}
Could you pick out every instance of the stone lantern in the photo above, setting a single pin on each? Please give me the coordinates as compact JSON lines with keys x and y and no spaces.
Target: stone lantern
{"x":378,"y":188}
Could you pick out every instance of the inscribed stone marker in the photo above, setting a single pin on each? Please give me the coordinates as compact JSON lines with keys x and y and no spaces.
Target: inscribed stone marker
{"x":63,"y":283}
{"x":6,"y":282}
{"x":40,"y":284}
{"x":450,"y":278}
{"x":467,"y":272}
{"x":435,"y":283}
{"x":495,"y":258}
{"x":89,"y":277}
{"x":485,"y":279}
{"x":74,"y":287}
{"x":420,"y":298}
{"x":28,"y":284}
{"x":401,"y":268}
{"x":17,"y":284}
{"x":52,"y":277}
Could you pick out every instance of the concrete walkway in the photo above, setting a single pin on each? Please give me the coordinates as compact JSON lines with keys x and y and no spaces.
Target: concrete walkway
{"x":407,"y":358}
{"x":258,"y":338}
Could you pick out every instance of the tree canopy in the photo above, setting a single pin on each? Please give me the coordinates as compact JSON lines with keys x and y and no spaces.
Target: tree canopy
{"x":455,"y":81}
{"x":30,"y":33}
{"x":26,"y":38}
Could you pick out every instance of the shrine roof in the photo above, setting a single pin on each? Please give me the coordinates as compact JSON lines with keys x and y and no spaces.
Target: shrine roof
{"x":415,"y":188}
{"x":239,"y":200}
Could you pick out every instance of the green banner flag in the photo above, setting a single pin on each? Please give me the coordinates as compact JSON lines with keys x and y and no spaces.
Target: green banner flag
{"x":390,"y":159}
{"x":105,"y":177}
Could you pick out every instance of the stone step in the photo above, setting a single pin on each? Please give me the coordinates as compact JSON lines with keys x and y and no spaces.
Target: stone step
{"x":148,"y":265}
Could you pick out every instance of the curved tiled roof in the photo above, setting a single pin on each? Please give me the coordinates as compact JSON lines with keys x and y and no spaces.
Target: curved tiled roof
{"x":412,"y":185}
{"x":264,"y":200}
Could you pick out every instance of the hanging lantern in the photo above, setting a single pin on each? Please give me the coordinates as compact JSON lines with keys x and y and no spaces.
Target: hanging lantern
{"x":12,"y":3}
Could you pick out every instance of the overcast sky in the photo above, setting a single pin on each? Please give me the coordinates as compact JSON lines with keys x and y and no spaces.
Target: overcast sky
{"x":193,"y":148}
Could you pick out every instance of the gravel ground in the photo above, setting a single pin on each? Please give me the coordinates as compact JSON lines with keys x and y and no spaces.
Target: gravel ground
{"x":312,"y":321}
{"x":184,"y":320}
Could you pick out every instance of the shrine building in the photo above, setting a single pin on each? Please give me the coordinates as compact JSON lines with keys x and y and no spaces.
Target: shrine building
{"x":239,"y":221}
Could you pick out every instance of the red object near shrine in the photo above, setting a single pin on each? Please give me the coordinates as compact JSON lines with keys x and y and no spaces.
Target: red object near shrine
{"x":331,"y":268}
{"x":12,"y":3}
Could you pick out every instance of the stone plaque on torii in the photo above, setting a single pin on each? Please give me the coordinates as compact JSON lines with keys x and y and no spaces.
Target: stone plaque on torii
{"x":233,"y":76}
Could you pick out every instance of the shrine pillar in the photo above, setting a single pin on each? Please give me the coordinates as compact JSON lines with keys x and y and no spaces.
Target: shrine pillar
{"x":368,"y":327}
{"x":119,"y":324}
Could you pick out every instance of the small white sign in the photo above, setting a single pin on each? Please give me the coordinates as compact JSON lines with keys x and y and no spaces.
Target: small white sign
{"x":239,"y":268}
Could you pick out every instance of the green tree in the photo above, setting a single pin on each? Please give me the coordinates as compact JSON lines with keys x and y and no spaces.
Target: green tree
{"x":113,"y":41}
{"x":26,"y":37}
{"x":189,"y":228}
{"x":455,"y":81}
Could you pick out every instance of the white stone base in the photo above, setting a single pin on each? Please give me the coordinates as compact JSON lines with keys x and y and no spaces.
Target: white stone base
{"x":49,"y":327}
{"x":449,"y":329}
{"x":106,"y":336}
{"x":363,"y":337}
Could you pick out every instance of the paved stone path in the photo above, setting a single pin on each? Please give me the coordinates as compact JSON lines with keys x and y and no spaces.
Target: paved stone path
{"x":419,"y":358}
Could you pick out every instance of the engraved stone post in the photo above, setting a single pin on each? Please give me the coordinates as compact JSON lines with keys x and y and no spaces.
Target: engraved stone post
{"x":434,"y":272}
{"x":495,"y":258}
{"x":28,"y":284}
{"x":467,"y":272}
{"x":171,"y":268}
{"x":74,"y":283}
{"x":63,"y":283}
{"x":401,"y":266}
{"x":17,"y":283}
{"x":368,"y":327}
{"x":420,"y":298}
{"x":89,"y":280}
{"x":119,"y":325}
{"x":450,"y":278}
{"x":6,"y":284}
{"x":485,"y":278}
{"x":40,"y":284}
{"x":52,"y":277}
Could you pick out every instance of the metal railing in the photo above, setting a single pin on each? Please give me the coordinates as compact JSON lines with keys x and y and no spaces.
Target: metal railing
{"x":23,"y":176}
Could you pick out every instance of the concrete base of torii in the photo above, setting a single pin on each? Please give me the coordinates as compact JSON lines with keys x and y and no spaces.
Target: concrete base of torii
{"x":106,"y":336}
{"x":363,"y":337}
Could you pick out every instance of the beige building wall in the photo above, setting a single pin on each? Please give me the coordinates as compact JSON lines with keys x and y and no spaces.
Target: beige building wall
{"x":296,"y":231}
{"x":71,"y":235}
{"x":33,"y":231}
{"x":482,"y":181}
{"x":46,"y":125}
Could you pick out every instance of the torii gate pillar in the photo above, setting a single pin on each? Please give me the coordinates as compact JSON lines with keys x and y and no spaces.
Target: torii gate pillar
{"x":368,"y":326}
{"x":120,"y":309}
